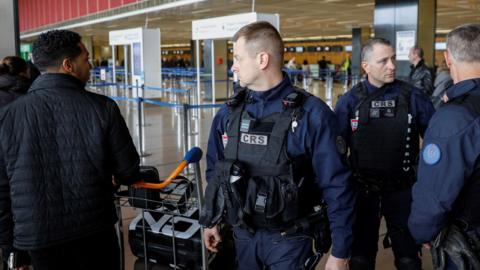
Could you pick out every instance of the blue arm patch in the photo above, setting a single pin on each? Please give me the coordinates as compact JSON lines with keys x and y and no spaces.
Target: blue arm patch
{"x":431,"y":154}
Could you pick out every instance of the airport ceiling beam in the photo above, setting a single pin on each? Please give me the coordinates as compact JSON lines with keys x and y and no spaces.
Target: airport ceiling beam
{"x":10,"y":41}
{"x":407,"y":23}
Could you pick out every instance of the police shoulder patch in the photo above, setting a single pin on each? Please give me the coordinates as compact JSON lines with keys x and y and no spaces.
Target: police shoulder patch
{"x":431,"y":154}
{"x":341,"y":145}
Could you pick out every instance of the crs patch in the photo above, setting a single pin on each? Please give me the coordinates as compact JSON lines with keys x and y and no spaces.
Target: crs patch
{"x":383,"y":104}
{"x":354,"y":124}
{"x":431,"y":154}
{"x":224,"y":139}
{"x":254,"y":139}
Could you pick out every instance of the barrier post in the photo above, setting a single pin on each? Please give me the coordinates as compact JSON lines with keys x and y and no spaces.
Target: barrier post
{"x":345,"y":83}
{"x":141,"y":145}
{"x":185,"y":130}
{"x":305,"y":85}
{"x":328,"y":89}
{"x":198,"y":182}
{"x":185,"y":127}
{"x":355,"y":79}
{"x":142,"y":91}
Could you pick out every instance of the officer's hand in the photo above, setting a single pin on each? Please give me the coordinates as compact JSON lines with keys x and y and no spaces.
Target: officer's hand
{"x":334,"y":263}
{"x":212,"y":238}
{"x":427,"y":246}
{"x":445,"y":98}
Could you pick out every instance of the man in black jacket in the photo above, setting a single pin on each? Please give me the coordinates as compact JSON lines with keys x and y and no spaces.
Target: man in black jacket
{"x":59,"y":148}
{"x":420,"y":75}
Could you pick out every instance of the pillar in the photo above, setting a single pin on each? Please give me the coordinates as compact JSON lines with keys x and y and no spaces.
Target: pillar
{"x":407,"y":23}
{"x":10,"y":41}
{"x":359,"y":37}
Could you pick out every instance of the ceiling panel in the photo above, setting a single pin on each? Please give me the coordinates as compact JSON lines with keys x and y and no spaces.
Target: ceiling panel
{"x":298,"y":18}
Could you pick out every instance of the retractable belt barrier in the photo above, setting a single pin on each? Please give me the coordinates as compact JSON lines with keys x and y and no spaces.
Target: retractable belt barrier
{"x":140,"y":101}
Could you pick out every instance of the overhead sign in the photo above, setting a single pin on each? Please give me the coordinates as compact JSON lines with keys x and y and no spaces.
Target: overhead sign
{"x":225,"y":27}
{"x":125,"y":36}
{"x":405,"y":41}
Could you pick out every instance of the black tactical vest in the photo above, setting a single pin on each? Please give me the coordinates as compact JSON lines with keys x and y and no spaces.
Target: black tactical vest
{"x":268,"y":194}
{"x":385,"y":141}
{"x":467,"y":205}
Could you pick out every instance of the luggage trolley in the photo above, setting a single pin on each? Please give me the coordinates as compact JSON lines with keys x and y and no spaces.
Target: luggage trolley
{"x":166,"y":229}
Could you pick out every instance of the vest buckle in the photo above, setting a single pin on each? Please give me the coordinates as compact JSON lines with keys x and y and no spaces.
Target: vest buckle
{"x":260,"y":202}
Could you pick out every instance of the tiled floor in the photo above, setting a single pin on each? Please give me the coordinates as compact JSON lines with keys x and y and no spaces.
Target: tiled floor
{"x":163,"y":141}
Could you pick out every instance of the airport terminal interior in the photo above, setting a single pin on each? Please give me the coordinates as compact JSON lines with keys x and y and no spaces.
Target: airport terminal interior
{"x":167,"y":64}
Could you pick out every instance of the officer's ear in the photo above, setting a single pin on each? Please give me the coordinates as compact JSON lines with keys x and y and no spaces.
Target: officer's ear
{"x":263,"y":59}
{"x":448,"y":58}
{"x":365,"y":66}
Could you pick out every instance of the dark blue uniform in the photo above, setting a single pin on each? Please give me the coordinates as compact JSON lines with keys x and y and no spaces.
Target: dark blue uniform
{"x":394,"y":205}
{"x":316,"y":138}
{"x":451,"y":150}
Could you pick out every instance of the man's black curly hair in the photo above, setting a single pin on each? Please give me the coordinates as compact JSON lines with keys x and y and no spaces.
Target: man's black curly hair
{"x":52,"y":47}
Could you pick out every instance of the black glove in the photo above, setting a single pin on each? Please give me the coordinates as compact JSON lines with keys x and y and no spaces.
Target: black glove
{"x":212,"y":210}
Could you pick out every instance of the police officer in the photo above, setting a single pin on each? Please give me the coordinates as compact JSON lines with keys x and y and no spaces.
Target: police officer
{"x":446,"y":196}
{"x":381,"y":119}
{"x":279,"y":145}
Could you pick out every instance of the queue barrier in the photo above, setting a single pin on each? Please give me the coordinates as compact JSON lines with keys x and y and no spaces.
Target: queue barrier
{"x":140,"y":101}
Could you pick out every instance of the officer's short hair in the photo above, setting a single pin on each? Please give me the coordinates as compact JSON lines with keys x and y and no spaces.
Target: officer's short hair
{"x":463,"y":43}
{"x":418,"y":51}
{"x":262,"y":36}
{"x":368,"y":47}
{"x":52,"y":47}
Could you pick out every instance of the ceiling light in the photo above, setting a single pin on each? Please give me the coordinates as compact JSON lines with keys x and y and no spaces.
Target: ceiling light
{"x":346,"y":22}
{"x":443,"y":31}
{"x":201,"y":11}
{"x":453,"y":12}
{"x":154,"y":19}
{"x":365,"y":4}
{"x":176,"y":45}
{"x":316,"y":38}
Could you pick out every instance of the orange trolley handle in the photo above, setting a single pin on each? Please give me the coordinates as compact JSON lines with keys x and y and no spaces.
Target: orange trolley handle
{"x":192,"y":156}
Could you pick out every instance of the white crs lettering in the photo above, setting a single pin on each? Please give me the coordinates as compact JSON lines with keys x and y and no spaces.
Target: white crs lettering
{"x":254,"y":139}
{"x":383,"y":104}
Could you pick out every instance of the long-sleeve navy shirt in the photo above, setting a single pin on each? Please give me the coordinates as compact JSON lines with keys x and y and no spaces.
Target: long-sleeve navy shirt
{"x":315,"y":137}
{"x":451,"y":148}
{"x":421,"y":107}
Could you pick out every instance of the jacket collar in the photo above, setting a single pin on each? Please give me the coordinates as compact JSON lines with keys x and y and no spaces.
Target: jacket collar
{"x":277,"y":92}
{"x":419,"y":64}
{"x":54,"y":81}
{"x":462,"y":88}
{"x":372,"y":88}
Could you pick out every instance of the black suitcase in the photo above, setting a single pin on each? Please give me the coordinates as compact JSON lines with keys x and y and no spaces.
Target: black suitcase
{"x":158,"y":238}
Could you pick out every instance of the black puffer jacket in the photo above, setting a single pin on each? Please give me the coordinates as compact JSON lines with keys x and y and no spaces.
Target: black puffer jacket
{"x":421,"y":77}
{"x":11,"y":87}
{"x":59,"y":147}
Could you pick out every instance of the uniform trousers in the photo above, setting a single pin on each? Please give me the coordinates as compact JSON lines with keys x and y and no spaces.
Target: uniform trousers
{"x":270,"y":250}
{"x":394,"y":206}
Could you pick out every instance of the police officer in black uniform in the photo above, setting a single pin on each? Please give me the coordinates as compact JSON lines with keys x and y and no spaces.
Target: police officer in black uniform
{"x":274,"y":153}
{"x":381,"y":119}
{"x":446,"y":199}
